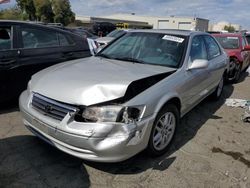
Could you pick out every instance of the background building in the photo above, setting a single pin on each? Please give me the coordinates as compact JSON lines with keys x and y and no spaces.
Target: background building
{"x":87,"y":22}
{"x":221,"y":25}
{"x":170,"y":22}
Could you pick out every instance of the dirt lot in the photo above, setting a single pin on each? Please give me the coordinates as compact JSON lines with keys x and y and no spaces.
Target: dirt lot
{"x":211,"y":149}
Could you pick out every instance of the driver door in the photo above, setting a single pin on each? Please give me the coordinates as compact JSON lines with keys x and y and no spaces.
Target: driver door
{"x":196,"y":83}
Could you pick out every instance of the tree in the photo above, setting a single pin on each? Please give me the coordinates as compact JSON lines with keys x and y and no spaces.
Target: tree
{"x":44,"y":11}
{"x":10,"y":14}
{"x":28,"y":9}
{"x":229,"y":28}
{"x":63,"y":12}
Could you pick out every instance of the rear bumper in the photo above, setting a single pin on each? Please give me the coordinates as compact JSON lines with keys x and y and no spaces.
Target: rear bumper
{"x":120,"y":142}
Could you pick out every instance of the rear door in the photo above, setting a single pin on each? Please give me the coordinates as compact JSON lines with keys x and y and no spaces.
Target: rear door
{"x":217,"y":62}
{"x":37,"y":49}
{"x":8,"y":60}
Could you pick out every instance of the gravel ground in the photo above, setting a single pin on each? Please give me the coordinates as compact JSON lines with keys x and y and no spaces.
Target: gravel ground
{"x":211,"y":149}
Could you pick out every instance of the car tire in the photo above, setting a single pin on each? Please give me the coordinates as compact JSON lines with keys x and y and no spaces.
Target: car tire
{"x":219,"y":89}
{"x":163,"y":130}
{"x":234,"y":67}
{"x":237,"y":74}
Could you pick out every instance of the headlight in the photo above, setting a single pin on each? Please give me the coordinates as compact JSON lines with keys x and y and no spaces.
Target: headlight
{"x":113,"y":113}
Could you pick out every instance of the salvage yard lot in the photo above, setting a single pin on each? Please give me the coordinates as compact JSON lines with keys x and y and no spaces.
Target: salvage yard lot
{"x":211,"y":149}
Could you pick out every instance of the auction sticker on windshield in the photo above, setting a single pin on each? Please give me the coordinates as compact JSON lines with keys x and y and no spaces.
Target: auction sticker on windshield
{"x":173,"y":38}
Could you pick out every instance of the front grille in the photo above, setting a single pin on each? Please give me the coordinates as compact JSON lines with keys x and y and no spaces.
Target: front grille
{"x":50,"y":107}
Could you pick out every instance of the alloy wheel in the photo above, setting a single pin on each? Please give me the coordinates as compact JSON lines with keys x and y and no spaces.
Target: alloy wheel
{"x":164,"y":131}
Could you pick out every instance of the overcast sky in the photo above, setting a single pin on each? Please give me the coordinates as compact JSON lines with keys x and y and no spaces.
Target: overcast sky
{"x":233,"y":11}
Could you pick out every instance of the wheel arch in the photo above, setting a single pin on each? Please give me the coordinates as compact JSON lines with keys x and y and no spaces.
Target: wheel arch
{"x":236,"y":58}
{"x":175,"y":100}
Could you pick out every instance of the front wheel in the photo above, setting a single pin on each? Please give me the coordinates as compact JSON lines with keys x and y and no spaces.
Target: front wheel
{"x":163,"y":130}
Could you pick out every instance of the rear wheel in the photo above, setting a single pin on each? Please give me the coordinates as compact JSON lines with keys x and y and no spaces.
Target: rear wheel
{"x":163,"y":130}
{"x":238,"y":73}
{"x":234,"y":70}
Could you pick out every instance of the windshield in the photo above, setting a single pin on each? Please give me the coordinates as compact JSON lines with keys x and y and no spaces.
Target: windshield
{"x":116,"y":33}
{"x":147,"y":48}
{"x":228,"y":42}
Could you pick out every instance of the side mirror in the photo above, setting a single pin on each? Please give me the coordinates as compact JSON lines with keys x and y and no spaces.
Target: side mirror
{"x":246,"y":48}
{"x":198,"y":64}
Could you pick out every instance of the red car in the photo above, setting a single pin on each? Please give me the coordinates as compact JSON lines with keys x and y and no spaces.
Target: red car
{"x":238,"y":51}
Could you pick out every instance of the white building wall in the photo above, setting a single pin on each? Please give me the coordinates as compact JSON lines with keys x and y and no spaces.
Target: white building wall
{"x":186,"y":23}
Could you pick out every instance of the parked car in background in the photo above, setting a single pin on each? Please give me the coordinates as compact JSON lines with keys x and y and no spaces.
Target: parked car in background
{"x":128,"y":97}
{"x":103,"y":41}
{"x":247,"y":35}
{"x":26,"y":48}
{"x":93,"y":45}
{"x":101,"y":29}
{"x":238,"y":50}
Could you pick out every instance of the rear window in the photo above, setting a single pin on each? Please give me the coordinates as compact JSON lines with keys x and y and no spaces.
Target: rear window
{"x":228,"y":42}
{"x":5,"y":38}
{"x":38,"y":38}
{"x":65,"y":40}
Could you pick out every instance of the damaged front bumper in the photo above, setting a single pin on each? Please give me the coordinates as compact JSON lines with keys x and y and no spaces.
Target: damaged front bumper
{"x":103,"y":142}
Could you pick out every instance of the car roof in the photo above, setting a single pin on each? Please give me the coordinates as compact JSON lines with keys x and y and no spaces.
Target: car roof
{"x":21,"y":22}
{"x":37,"y":24}
{"x":169,"y":31}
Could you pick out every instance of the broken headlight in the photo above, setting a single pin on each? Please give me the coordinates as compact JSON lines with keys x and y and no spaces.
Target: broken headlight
{"x":113,"y":113}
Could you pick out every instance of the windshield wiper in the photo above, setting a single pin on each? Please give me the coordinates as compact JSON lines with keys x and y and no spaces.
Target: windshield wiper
{"x":103,"y":55}
{"x":130,"y":59}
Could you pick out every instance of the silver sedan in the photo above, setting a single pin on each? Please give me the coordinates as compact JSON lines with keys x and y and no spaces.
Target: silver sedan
{"x":127,"y":98}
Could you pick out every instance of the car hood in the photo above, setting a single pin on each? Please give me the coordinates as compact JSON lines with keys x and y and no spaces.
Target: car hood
{"x":91,"y":80}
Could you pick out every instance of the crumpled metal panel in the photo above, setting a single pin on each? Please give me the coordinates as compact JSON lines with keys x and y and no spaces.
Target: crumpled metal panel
{"x":91,"y":80}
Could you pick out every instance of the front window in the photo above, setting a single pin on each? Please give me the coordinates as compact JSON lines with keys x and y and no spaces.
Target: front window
{"x":198,"y":49}
{"x":147,"y":48}
{"x":229,"y":42}
{"x":37,"y":38}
